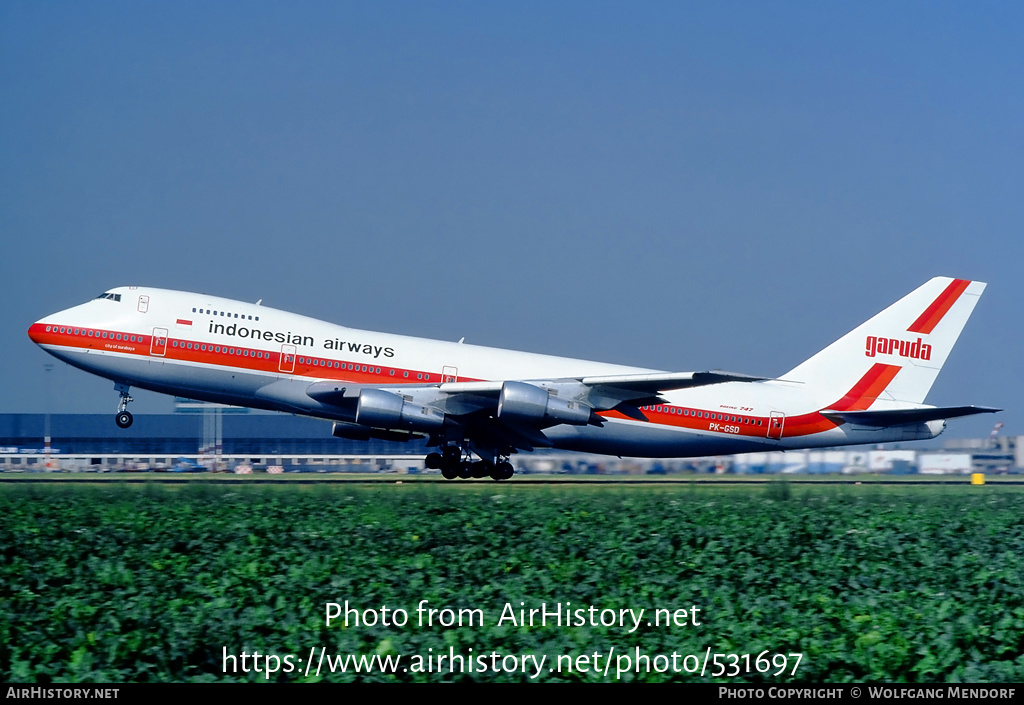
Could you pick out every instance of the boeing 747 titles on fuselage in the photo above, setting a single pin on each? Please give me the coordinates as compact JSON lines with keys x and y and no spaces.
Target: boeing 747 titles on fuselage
{"x":478,"y":406}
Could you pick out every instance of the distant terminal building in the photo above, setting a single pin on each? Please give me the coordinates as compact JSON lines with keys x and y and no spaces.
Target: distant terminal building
{"x":206,"y":437}
{"x":255,"y":434}
{"x":159,"y":441}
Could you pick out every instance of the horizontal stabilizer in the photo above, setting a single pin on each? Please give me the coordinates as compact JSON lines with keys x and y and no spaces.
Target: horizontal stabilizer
{"x":899,"y":417}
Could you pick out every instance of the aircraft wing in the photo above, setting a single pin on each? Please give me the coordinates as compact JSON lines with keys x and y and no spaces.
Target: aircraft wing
{"x":625,"y":393}
{"x":667,"y":381}
{"x":602,"y":392}
{"x":898,"y":417}
{"x":507,"y":413}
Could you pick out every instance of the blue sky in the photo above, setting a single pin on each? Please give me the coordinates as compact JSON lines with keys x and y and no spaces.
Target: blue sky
{"x":671,"y":185}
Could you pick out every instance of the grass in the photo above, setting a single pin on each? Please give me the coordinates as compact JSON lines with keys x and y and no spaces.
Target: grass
{"x":114,"y":582}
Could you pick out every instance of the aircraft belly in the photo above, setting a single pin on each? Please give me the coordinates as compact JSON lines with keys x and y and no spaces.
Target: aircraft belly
{"x":220,"y":385}
{"x":637,"y":439}
{"x":115,"y":367}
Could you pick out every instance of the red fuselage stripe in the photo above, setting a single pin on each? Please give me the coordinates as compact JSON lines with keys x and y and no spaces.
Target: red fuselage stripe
{"x":867,"y":388}
{"x":227,"y":356}
{"x":861,"y":396}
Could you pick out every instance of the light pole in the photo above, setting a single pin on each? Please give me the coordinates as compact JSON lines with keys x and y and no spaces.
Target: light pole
{"x":49,"y":401}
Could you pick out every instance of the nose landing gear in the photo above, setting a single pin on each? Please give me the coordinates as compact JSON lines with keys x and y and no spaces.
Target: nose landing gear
{"x":124,"y":417}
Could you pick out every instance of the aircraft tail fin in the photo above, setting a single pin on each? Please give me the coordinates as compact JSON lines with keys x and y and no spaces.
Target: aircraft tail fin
{"x":896,"y":355}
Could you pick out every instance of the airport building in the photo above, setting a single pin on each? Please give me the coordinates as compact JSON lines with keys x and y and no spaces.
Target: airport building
{"x":203,"y":436}
{"x":169,"y":441}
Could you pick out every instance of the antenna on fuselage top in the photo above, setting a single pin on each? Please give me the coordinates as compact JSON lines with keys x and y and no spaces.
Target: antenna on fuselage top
{"x":259,"y":302}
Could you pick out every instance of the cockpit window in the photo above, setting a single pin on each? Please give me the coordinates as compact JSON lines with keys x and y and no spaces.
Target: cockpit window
{"x":108,"y":295}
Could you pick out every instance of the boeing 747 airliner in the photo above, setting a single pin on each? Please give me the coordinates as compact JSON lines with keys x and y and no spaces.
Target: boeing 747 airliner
{"x":476,"y":402}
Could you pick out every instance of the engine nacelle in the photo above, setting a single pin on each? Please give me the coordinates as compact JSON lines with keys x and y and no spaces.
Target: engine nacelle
{"x":381,"y":409}
{"x":526,"y":402}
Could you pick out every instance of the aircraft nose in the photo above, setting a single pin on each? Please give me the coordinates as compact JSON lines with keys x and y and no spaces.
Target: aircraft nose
{"x":36,"y":332}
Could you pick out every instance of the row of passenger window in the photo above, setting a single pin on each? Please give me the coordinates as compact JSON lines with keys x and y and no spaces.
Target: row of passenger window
{"x":703,"y":414}
{"x":208,"y":312}
{"x":244,"y":352}
{"x":317,"y":362}
{"x":90,"y":333}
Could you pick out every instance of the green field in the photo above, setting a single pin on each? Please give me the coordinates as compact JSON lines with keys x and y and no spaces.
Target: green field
{"x":120,"y":583}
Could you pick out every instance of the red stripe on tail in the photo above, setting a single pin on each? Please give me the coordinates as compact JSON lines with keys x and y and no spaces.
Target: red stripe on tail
{"x":868,"y":388}
{"x":927,"y":321}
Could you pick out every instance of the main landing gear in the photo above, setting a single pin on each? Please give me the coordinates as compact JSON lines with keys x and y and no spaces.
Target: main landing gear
{"x":124,"y":417}
{"x":454,"y":461}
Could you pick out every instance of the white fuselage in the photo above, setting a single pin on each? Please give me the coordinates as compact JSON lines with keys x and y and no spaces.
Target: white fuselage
{"x":219,"y":350}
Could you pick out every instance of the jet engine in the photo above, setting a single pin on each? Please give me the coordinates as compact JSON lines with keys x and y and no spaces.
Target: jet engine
{"x":381,"y":409}
{"x":520,"y":401}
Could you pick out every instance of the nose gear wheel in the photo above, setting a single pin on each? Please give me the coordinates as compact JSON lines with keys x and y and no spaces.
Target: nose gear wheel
{"x":124,"y":417}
